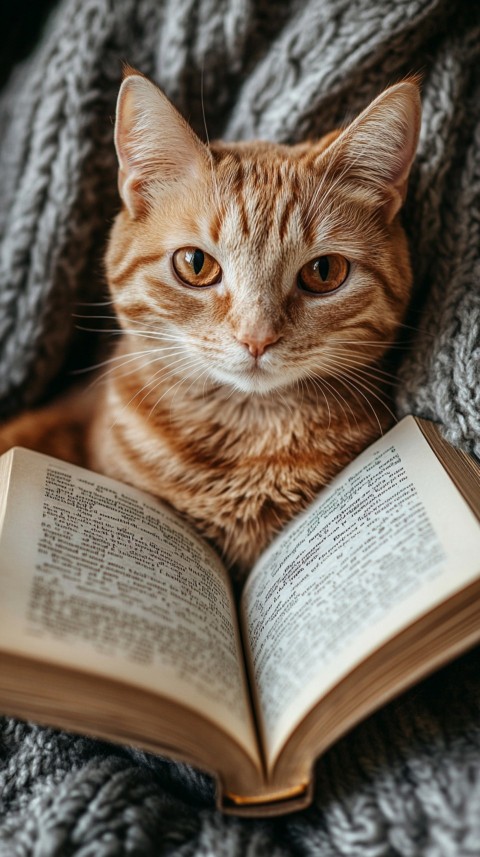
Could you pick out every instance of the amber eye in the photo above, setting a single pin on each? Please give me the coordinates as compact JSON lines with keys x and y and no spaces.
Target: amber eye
{"x":196,"y":268}
{"x":324,"y":274}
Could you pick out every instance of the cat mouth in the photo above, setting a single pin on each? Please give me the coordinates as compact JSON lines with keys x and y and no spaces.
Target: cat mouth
{"x":255,"y":371}
{"x":256,"y":378}
{"x":256,"y":368}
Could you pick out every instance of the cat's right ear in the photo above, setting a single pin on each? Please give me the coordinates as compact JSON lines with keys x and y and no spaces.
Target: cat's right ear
{"x":156,"y":147}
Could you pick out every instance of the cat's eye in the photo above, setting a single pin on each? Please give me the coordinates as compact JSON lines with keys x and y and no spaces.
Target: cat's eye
{"x":194,"y":267}
{"x":324,"y":274}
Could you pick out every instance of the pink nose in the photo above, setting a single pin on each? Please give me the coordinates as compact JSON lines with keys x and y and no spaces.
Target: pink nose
{"x":257,"y":345}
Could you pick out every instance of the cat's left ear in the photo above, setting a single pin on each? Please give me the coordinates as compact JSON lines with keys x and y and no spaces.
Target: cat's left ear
{"x":156,"y":147}
{"x":376,"y":151}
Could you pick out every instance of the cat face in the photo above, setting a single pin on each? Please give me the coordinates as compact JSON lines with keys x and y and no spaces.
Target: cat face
{"x":260,"y":265}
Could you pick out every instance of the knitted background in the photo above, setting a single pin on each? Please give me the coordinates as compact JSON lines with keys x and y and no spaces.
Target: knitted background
{"x":407,"y":782}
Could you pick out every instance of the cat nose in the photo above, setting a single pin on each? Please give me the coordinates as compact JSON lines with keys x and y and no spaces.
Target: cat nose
{"x":257,"y":343}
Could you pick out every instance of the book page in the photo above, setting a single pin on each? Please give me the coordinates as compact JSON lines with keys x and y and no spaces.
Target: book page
{"x":389,"y":539}
{"x":102,"y":577}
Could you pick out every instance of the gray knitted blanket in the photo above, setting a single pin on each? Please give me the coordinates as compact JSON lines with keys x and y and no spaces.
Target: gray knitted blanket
{"x":406,"y":782}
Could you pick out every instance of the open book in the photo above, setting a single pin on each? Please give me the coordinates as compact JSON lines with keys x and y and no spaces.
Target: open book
{"x":118,"y":621}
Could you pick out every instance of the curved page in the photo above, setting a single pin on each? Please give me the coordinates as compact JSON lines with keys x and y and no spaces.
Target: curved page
{"x":389,"y":539}
{"x":102,"y":577}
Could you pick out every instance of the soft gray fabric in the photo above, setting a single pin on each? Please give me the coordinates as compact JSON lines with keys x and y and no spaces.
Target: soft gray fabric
{"x":404,"y":784}
{"x":407,"y":782}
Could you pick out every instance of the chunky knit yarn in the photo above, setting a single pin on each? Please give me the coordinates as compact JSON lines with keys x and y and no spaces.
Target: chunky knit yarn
{"x":277,"y":70}
{"x":406,"y":782}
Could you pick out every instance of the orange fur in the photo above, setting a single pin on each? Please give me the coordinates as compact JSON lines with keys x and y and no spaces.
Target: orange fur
{"x":237,"y":402}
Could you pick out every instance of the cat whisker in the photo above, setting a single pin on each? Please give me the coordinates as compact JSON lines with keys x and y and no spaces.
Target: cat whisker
{"x":113,"y":332}
{"x":366,"y":368}
{"x":368,"y":385}
{"x":338,"y":398}
{"x":169,"y":390}
{"x":89,"y":316}
{"x":300,"y":387}
{"x":354,"y":389}
{"x":196,"y":379}
{"x":173,"y":369}
{"x":315,"y":388}
{"x":127,"y":360}
{"x":155,"y":332}
{"x":95,"y":303}
{"x":203,"y":388}
{"x":153,"y":327}
{"x":285,"y":402}
{"x":361,"y":360}
{"x":140,"y":334}
{"x":416,"y":330}
{"x":369,"y":343}
{"x":336,"y":393}
{"x":202,"y":374}
{"x":384,"y":379}
{"x":143,"y":326}
{"x":381,"y":382}
{"x":349,"y":375}
{"x":135,"y":355}
{"x":121,"y":331}
{"x":165,"y":364}
{"x":154,"y":355}
{"x":318,"y":385}
{"x":344,"y":376}
{"x":166,"y":360}
{"x":170,"y":369}
{"x":232,"y":392}
{"x":359,"y":369}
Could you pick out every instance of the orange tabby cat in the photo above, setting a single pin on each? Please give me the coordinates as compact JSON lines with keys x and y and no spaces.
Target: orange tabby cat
{"x":258,"y":286}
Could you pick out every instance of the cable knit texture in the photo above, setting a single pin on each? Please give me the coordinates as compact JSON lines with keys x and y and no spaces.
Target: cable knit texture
{"x":407,"y":782}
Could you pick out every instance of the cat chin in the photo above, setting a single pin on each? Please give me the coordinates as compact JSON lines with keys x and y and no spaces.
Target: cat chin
{"x":255,"y":383}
